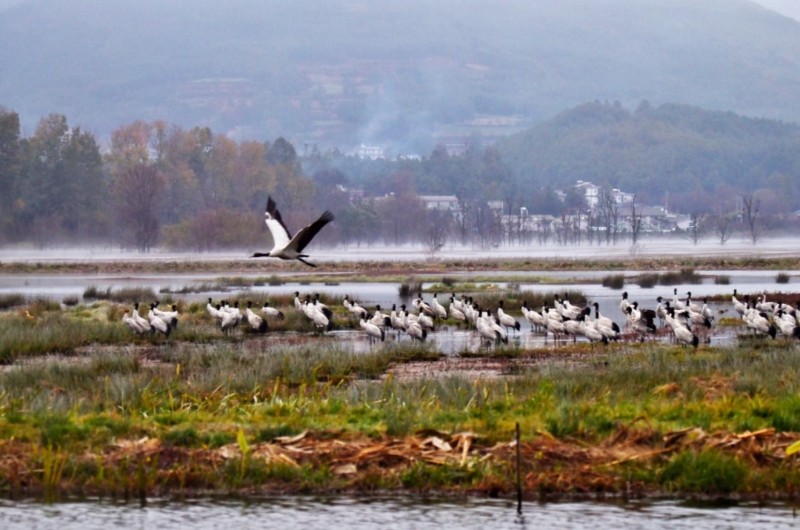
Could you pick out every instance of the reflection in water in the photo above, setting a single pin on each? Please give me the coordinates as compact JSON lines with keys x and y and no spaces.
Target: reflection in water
{"x":347,"y":513}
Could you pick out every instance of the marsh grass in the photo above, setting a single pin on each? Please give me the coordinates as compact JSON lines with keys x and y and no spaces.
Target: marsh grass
{"x":7,"y":301}
{"x":55,"y":333}
{"x":613,"y":281}
{"x":722,"y":279}
{"x":409,"y":288}
{"x":124,"y":295}
{"x":648,"y":280}
{"x":686,"y":275}
{"x":198,"y":395}
{"x":708,"y":472}
{"x":782,"y":277}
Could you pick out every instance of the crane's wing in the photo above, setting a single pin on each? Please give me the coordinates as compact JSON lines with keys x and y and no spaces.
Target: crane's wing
{"x":272,"y":217}
{"x":304,"y":236}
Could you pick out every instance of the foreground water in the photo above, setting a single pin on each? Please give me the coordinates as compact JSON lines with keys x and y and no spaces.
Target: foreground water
{"x":347,"y":513}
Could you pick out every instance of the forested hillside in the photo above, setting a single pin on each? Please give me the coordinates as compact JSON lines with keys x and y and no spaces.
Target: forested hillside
{"x":654,"y":150}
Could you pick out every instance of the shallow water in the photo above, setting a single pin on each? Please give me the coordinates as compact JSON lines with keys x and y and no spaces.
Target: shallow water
{"x":348,"y":513}
{"x":447,"y":340}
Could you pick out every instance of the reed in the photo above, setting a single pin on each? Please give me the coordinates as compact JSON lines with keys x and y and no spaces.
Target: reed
{"x":124,"y":295}
{"x":648,"y":280}
{"x":7,"y":301}
{"x":613,"y":281}
{"x":409,"y":288}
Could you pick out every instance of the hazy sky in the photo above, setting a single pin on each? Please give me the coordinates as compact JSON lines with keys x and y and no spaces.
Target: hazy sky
{"x":790,"y":8}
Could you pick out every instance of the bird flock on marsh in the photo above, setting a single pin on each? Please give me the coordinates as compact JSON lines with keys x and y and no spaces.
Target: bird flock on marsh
{"x":684,"y":320}
{"x":681,"y":320}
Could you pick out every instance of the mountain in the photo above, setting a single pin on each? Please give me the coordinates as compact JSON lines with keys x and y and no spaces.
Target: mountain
{"x":657,"y":150}
{"x":403,"y":74}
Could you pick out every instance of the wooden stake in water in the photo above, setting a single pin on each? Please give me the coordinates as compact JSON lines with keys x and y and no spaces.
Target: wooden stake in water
{"x":519,"y":476}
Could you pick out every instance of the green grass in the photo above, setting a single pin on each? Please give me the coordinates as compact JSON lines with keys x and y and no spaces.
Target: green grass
{"x":199,"y":390}
{"x":708,"y":472}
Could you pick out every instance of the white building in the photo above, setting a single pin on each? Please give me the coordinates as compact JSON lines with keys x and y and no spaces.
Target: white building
{"x":370,"y":152}
{"x":440,"y":202}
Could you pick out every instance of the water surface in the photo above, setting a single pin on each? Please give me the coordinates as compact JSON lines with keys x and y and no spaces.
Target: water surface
{"x":304,"y":513}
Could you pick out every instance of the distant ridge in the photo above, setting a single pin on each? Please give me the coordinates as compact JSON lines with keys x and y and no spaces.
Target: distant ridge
{"x":400,"y":74}
{"x":653,"y":150}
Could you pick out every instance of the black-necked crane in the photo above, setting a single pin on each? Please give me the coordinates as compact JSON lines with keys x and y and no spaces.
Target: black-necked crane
{"x":271,"y":312}
{"x":588,"y":330}
{"x":438,"y":309}
{"x":759,"y":322}
{"x":506,"y":320}
{"x":397,"y":320}
{"x":285,"y":246}
{"x":457,"y":310}
{"x":379,"y":319}
{"x":739,"y":306}
{"x":143,"y":322}
{"x":416,"y":332}
{"x":641,"y":321}
{"x":373,"y":332}
{"x":129,"y":321}
{"x":604,"y":320}
{"x":257,"y":323}
{"x":156,"y":323}
{"x":354,"y":309}
{"x":683,"y":335}
{"x":170,"y":317}
{"x":535,"y":318}
{"x":786,"y":323}
{"x":624,"y":304}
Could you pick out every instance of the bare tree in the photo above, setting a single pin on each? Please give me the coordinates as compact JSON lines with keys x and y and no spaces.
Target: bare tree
{"x":591,"y":226}
{"x":696,"y":228}
{"x":723,"y":227}
{"x":438,"y":229}
{"x":138,"y":197}
{"x":545,"y":230}
{"x":751,"y":208}
{"x":636,"y":223}
{"x":608,"y":214}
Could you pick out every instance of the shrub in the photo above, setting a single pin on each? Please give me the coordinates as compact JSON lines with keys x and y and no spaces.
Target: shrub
{"x":70,"y":301}
{"x":647,"y":281}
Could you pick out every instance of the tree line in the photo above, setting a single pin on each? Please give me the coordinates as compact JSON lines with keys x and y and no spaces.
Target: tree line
{"x":156,"y":184}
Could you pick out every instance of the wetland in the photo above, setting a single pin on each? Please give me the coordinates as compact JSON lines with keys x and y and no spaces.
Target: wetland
{"x":89,"y":409}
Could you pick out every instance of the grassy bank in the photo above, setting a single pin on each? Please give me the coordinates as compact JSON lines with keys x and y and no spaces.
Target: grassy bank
{"x":402,"y":269}
{"x":236,"y":416}
{"x":89,"y":408}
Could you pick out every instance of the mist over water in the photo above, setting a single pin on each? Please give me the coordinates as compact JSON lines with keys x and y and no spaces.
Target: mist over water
{"x":647,"y":248}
